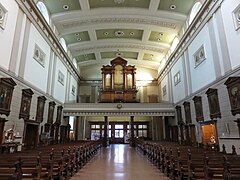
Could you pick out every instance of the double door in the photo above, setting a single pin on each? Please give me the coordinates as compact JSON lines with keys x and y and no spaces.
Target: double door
{"x":118,"y":133}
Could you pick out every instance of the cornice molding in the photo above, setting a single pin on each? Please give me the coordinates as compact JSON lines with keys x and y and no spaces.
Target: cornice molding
{"x":112,"y":109}
{"x":76,"y":23}
{"x":129,"y":46}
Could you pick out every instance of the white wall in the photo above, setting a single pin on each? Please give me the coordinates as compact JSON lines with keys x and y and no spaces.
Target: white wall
{"x":59,"y":89}
{"x":73,"y":82}
{"x":7,"y":34}
{"x":179,"y":89}
{"x":165,"y":82}
{"x":35,"y":73}
{"x":204,"y":73}
{"x":232,"y":35}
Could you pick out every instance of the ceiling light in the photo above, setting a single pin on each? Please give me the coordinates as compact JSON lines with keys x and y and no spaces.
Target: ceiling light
{"x":106,"y":33}
{"x":76,"y":34}
{"x":172,"y":6}
{"x":79,"y":39}
{"x":161,"y":34}
{"x":85,"y":55}
{"x":131,"y":33}
{"x":65,"y":6}
{"x":119,"y":33}
{"x":118,"y":54}
{"x":159,"y":39}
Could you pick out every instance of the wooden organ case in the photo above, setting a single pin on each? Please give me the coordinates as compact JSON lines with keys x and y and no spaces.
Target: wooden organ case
{"x":118,"y":82}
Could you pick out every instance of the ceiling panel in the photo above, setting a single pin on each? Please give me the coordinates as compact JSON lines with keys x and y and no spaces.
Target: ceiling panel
{"x":86,"y":57}
{"x":123,"y":54}
{"x":161,"y":37}
{"x":119,"y":3}
{"x":76,"y":37}
{"x":180,"y":6}
{"x":58,"y":6}
{"x":119,"y":33}
{"x":152,"y":57}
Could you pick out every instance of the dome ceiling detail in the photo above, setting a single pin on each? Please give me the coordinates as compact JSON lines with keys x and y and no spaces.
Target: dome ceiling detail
{"x":96,"y":31}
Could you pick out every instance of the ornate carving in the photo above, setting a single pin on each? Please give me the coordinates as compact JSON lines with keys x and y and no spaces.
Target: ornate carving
{"x":118,"y":46}
{"x":118,"y":20}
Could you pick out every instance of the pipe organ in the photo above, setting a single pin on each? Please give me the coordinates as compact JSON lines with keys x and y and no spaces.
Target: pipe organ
{"x":118,"y":82}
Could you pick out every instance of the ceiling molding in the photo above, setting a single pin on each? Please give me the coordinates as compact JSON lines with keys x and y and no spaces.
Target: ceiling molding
{"x":84,"y":22}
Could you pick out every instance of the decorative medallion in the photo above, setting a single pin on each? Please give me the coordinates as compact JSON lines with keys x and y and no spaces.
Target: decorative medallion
{"x":3,"y":16}
{"x":236,"y":17}
{"x":119,"y":106}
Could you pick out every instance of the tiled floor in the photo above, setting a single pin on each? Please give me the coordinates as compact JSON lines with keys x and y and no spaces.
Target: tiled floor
{"x":119,"y":162}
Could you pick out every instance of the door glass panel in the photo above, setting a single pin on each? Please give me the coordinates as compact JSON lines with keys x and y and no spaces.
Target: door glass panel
{"x":97,"y":126}
{"x":144,"y":133}
{"x":93,"y":126}
{"x":118,"y":126}
{"x":144,"y":126}
{"x":119,"y":133}
{"x":109,"y":133}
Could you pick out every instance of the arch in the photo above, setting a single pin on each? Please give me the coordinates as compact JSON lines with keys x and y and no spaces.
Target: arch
{"x":43,"y":9}
{"x":196,"y":7}
{"x":75,"y":63}
{"x":63,"y":43}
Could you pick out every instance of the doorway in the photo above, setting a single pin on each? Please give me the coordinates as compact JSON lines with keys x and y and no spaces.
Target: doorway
{"x":209,"y":134}
{"x":31,"y":134}
{"x":119,"y":132}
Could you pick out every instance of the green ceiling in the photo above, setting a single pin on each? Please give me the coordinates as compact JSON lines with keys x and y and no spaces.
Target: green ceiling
{"x":161,"y":37}
{"x":182,"y":6}
{"x":119,"y":33}
{"x":76,"y":37}
{"x":119,"y":3}
{"x":150,"y":57}
{"x":56,"y":6}
{"x":124,"y":54}
{"x":85,"y":57}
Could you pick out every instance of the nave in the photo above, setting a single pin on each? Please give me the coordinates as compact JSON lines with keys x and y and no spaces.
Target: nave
{"x":119,"y":162}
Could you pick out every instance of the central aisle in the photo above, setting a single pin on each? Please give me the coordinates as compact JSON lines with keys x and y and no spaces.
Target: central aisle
{"x":119,"y":162}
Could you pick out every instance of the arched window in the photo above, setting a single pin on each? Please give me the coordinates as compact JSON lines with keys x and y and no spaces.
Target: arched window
{"x":63,"y":43}
{"x":42,"y":8}
{"x":174,"y":44}
{"x":197,"y":6}
{"x":75,"y":63}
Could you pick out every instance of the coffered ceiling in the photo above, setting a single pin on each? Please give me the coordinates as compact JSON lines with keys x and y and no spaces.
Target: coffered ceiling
{"x":140,"y":31}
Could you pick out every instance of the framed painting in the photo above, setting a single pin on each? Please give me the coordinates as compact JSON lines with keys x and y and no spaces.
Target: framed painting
{"x":40,"y":108}
{"x":187,"y":111}
{"x":213,"y":103}
{"x":198,"y":108}
{"x":25,"y":103}
{"x":6,"y":91}
{"x":51,"y":108}
{"x":233,"y":87}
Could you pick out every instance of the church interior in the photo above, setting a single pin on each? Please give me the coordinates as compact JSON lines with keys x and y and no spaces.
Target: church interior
{"x":156,"y":82}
